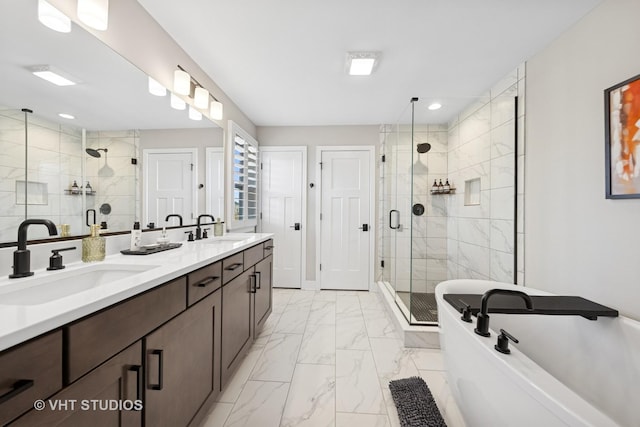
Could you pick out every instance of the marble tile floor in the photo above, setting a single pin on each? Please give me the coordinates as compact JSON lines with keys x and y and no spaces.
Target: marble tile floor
{"x":325,"y":358}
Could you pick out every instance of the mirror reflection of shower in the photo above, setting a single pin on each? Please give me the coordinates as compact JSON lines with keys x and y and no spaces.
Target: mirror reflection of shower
{"x":105,"y":170}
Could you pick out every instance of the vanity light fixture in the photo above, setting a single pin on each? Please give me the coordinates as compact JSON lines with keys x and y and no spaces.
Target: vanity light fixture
{"x":51,"y":75}
{"x":52,"y":18}
{"x":156,"y":88}
{"x":362,"y":63}
{"x":177,"y":102}
{"x":194,"y":114}
{"x":94,"y":13}
{"x":191,"y":87}
{"x":216,"y":110}
{"x":201,"y":98}
{"x":435,"y":106}
{"x":66,"y":116}
{"x":181,"y":82}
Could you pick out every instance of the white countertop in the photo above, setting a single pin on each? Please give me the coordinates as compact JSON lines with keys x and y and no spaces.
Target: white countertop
{"x":19,"y":323}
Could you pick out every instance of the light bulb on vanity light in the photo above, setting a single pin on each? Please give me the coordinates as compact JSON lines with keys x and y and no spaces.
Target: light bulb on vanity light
{"x":181,"y":82}
{"x":177,"y":102}
{"x":156,"y":88}
{"x":52,"y":18}
{"x":216,"y":110}
{"x":194,"y":114}
{"x":201,"y":98}
{"x":94,"y":13}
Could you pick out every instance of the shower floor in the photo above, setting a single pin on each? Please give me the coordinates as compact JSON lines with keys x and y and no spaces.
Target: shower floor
{"x":423,"y":305}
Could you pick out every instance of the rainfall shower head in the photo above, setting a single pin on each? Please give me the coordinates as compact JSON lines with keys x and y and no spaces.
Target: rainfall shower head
{"x":424,"y":147}
{"x":95,"y":153}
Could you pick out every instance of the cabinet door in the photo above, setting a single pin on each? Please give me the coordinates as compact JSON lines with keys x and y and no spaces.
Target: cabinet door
{"x":180,"y":364}
{"x":236,"y":321}
{"x":113,"y":387}
{"x":262,"y":296}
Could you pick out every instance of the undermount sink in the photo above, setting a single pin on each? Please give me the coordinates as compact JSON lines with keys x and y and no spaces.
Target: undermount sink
{"x":39,"y":290}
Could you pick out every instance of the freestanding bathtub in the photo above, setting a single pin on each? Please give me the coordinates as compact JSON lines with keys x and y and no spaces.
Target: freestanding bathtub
{"x":565,"y":371}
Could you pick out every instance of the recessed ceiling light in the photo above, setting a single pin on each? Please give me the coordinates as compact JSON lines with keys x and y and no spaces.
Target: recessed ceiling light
{"x":52,"y":18}
{"x":361,"y":63}
{"x":66,"y":116}
{"x":435,"y":106}
{"x":51,"y":75}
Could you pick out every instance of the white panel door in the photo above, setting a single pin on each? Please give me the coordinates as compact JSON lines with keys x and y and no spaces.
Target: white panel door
{"x":345,"y":225}
{"x":169,"y":185}
{"x":281,"y":208}
{"x":215,"y":182}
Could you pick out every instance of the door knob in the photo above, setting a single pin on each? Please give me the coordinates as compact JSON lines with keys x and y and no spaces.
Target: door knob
{"x":295,"y":226}
{"x":365,"y":227}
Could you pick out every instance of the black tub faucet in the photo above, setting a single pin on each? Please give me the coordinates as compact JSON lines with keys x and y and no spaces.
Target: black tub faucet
{"x":174,"y":216}
{"x":22,"y":256}
{"x":198,"y":229}
{"x":482,"y":326}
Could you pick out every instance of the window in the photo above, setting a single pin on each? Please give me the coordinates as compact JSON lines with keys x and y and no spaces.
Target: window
{"x":244,"y":178}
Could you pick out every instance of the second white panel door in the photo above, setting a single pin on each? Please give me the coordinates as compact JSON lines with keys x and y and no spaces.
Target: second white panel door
{"x":345,"y":235}
{"x":282,"y":212}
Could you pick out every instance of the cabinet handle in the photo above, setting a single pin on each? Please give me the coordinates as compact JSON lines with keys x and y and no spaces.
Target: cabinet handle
{"x":258,"y":280}
{"x":138,"y":370}
{"x":233,"y":266}
{"x":206,"y":281}
{"x":269,"y":247}
{"x":17,"y":388}
{"x":252,"y":283}
{"x":159,"y":385}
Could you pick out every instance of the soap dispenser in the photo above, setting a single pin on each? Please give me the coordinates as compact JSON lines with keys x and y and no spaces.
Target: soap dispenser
{"x":136,"y":237}
{"x":94,"y":246}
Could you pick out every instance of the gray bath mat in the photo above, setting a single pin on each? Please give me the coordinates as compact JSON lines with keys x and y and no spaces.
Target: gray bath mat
{"x":415,"y":404}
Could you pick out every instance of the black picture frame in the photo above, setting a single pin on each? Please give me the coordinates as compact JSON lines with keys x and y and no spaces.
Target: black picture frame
{"x":622,"y":108}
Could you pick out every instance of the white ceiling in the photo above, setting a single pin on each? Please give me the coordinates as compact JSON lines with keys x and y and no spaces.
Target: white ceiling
{"x":283,"y":61}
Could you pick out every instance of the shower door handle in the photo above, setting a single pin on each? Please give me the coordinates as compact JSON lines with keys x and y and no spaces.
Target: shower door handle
{"x":365,"y":227}
{"x":397,"y":222}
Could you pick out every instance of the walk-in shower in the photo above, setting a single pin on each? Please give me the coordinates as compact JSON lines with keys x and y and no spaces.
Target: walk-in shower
{"x":447,"y":199}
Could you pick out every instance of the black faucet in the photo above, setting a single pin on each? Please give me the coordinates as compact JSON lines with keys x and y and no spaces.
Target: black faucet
{"x":482,"y":326}
{"x":175,"y":216}
{"x":198,"y":229}
{"x":22,"y":256}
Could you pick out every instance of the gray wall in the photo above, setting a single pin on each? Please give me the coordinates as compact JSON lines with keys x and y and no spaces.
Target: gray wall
{"x":578,"y":242}
{"x":311,"y":137}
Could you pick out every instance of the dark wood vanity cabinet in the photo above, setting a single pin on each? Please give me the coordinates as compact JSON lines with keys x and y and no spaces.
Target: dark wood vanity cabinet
{"x":237,"y":317}
{"x":172,"y":349}
{"x":182,"y":365}
{"x":29,"y":372}
{"x":117,"y":383}
{"x":263,"y":294}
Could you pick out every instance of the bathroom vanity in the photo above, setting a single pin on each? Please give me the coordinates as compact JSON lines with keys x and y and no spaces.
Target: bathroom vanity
{"x":165,"y":340}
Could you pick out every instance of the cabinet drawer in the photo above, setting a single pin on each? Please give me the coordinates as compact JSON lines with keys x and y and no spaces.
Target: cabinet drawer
{"x":232,"y":266}
{"x":94,"y":339}
{"x":253,"y":255}
{"x":29,"y":372}
{"x":204,"y":281}
{"x":268,"y":248}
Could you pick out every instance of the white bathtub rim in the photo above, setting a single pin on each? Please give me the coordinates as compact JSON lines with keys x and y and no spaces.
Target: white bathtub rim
{"x":539,"y":384}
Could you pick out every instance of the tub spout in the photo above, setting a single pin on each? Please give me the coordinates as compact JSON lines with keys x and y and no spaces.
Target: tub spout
{"x":482,"y":326}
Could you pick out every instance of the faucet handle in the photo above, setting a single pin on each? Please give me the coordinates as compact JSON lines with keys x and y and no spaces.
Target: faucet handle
{"x":204,"y":233}
{"x":190,"y":237}
{"x":503,"y":342}
{"x":466,"y":312}
{"x":55,"y":260}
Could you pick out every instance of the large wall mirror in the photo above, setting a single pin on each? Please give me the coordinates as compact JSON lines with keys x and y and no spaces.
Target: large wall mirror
{"x":117,"y":121}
